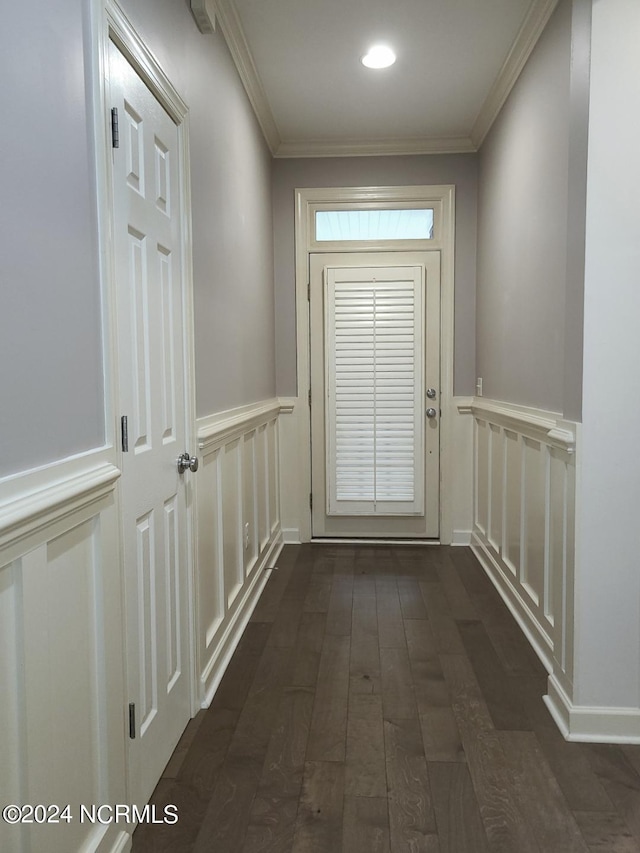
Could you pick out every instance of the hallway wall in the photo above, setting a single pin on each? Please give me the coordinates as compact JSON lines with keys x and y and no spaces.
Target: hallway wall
{"x":523,"y":204}
{"x":50,"y":327}
{"x":51,"y":380}
{"x":458,"y":169}
{"x":232,"y":220}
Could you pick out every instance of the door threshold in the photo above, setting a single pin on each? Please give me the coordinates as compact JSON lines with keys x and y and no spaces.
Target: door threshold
{"x":369,"y":541}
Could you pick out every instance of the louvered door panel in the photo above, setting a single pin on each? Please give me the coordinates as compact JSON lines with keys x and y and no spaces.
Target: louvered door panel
{"x":374,"y":424}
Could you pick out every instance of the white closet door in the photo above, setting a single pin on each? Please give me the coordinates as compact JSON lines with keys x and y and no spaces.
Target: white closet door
{"x":374,"y":343}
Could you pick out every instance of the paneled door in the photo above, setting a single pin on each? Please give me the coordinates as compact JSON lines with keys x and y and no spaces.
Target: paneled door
{"x":150,"y":287}
{"x":375,"y":391}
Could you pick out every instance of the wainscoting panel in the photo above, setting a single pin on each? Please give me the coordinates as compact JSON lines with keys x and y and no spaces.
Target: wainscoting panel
{"x":523,"y":532}
{"x":62,"y":698}
{"x":239,"y":531}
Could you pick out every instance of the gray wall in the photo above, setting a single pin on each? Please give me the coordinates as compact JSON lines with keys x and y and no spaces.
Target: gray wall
{"x":522,"y":231}
{"x":51,"y":371}
{"x":289,"y":175}
{"x":231,"y":197}
{"x":51,"y":387}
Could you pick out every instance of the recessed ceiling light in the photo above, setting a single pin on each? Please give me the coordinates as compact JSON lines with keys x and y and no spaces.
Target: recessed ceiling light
{"x":379,"y":56}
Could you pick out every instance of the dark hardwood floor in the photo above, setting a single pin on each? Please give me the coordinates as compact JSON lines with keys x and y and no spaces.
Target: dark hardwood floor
{"x":383,"y":700}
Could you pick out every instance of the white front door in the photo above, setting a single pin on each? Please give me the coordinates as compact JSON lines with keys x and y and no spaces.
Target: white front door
{"x":150,"y":287}
{"x":375,"y":391}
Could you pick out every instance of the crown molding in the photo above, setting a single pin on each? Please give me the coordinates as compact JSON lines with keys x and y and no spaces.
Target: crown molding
{"x":231,"y":27}
{"x":204,"y":12}
{"x":376,"y":147}
{"x":536,"y":20}
{"x":227,"y":16}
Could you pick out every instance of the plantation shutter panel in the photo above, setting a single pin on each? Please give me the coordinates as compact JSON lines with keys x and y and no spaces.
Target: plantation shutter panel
{"x":375,"y":398}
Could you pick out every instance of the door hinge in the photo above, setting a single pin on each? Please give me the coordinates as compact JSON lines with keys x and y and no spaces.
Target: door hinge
{"x":309,"y":396}
{"x":310,"y":501}
{"x":124,"y":433}
{"x":115,"y":133}
{"x":132,"y":720}
{"x":308,"y":291}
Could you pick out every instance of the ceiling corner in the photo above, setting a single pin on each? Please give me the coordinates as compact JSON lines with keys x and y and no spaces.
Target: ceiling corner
{"x":532,"y":28}
{"x":231,"y":27}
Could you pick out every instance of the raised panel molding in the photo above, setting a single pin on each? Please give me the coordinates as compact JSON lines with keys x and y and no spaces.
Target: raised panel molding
{"x":61,"y":652}
{"x":238,"y":485}
{"x":524,"y":496}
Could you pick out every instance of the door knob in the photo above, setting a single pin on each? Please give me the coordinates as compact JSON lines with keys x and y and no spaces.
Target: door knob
{"x":187,"y":463}
{"x":431,"y":413}
{"x":431,"y":393}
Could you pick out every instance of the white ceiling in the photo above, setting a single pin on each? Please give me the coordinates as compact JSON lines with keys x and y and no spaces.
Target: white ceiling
{"x":457,"y":61}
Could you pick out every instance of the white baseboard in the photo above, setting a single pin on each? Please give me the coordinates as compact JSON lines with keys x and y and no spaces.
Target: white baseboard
{"x":461,"y":537}
{"x":215,"y":669}
{"x":591,"y":725}
{"x":291,"y":536}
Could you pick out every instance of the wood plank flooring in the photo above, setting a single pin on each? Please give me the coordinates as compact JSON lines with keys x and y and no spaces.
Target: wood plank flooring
{"x":383,"y":700}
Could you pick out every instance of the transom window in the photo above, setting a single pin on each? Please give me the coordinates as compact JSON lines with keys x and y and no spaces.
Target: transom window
{"x":373,"y":225}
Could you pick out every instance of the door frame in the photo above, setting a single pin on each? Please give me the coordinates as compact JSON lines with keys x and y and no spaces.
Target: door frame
{"x":307,"y":201}
{"x":108,"y":23}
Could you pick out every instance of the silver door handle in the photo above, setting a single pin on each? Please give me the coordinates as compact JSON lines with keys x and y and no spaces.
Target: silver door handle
{"x":431,"y":393}
{"x":187,"y":463}
{"x":431,"y":413}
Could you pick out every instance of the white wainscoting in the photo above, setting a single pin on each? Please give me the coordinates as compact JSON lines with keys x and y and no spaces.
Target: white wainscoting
{"x":239,"y":530}
{"x":61,"y":703}
{"x":523,"y":531}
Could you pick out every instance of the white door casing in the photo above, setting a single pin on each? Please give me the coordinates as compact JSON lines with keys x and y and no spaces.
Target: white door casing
{"x":375,"y":349}
{"x":440,"y":198}
{"x":153,"y":382}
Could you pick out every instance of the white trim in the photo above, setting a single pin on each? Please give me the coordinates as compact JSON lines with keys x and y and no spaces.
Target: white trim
{"x":443,"y":195}
{"x":204,"y":13}
{"x":216,"y":430}
{"x":586,"y":724}
{"x":226,"y":646}
{"x":375,"y":147}
{"x":236,"y":40}
{"x":123,"y":34}
{"x":522,"y":48}
{"x":291,"y":535}
{"x":541,"y":425}
{"x":464,"y":404}
{"x":461,"y":537}
{"x":32,"y":513}
{"x":287,"y":405}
